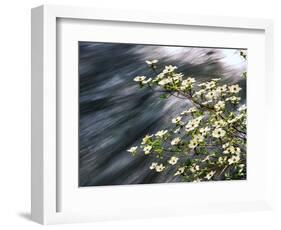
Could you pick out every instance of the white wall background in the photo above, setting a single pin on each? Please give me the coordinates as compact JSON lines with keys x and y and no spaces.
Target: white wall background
{"x":15,"y":112}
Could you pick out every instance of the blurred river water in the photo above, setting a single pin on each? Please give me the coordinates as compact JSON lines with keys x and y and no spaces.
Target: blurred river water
{"x":115,"y":113}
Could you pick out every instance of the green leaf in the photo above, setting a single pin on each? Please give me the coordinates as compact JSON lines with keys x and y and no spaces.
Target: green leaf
{"x":164,"y":96}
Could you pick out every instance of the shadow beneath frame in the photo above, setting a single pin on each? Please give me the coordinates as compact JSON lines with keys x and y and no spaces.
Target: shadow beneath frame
{"x":25,"y":215}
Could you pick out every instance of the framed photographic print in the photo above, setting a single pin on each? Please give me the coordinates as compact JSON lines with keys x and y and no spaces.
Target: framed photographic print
{"x":137,"y":114}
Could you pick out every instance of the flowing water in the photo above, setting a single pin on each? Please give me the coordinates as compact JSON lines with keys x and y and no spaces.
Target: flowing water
{"x":115,"y":113}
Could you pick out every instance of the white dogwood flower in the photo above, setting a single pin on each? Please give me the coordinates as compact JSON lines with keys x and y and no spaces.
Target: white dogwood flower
{"x":188,"y":82}
{"x":233,"y":150}
{"x":177,"y":77}
{"x":210,"y":85}
{"x":158,"y":77}
{"x":194,"y":168}
{"x":220,"y":105}
{"x":222,"y":89}
{"x":169,"y":69}
{"x":176,"y":120}
{"x":139,"y":78}
{"x":216,"y":79}
{"x":147,"y":81}
{"x":153,"y":165}
{"x":218,"y":133}
{"x":230,"y":149}
{"x":234,"y":159}
{"x":159,"y":168}
{"x":204,"y":131}
{"x":222,"y":160}
{"x":173,"y":160}
{"x":190,"y":110}
{"x":161,"y":133}
{"x":234,"y":88}
{"x":176,"y":141}
{"x":198,"y":138}
{"x":206,"y":102}
{"x":210,"y":175}
{"x":224,"y":146}
{"x":179,"y":171}
{"x":151,"y":62}
{"x":198,"y":119}
{"x":233,"y":99}
{"x":211,"y":95}
{"x":147,"y":149}
{"x":146,"y":139}
{"x":200,"y":92}
{"x":132,"y":149}
{"x":242,"y":108}
{"x":219,"y":123}
{"x":177,"y":130}
{"x":193,"y":144}
{"x":191,"y":125}
{"x":165,"y":81}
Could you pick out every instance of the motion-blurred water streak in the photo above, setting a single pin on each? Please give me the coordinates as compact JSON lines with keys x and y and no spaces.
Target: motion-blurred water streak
{"x":115,"y":114}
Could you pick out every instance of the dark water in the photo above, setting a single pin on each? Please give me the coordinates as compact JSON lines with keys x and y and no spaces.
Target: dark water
{"x":115,"y":114}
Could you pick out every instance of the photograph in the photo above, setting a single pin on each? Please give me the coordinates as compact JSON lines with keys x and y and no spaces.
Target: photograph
{"x":161,"y":113}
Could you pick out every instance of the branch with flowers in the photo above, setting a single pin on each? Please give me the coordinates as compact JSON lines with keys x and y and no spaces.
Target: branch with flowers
{"x":208,"y":139}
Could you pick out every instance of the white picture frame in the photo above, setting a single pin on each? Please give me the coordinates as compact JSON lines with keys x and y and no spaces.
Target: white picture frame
{"x":45,"y":182}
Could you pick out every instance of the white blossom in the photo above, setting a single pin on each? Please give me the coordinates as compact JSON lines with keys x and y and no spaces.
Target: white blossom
{"x":161,"y":133}
{"x":224,"y":146}
{"x":177,"y":77}
{"x":233,"y":150}
{"x":219,"y":123}
{"x":146,"y":139}
{"x":200,"y":92}
{"x":159,"y":168}
{"x":222,"y":89}
{"x":233,"y":99}
{"x":187,"y":82}
{"x":198,"y":119}
{"x":192,"y":144}
{"x":153,"y":166}
{"x":216,"y":79}
{"x":147,"y":81}
{"x":242,"y":108}
{"x":177,"y":130}
{"x":173,"y":160}
{"x":152,"y":62}
{"x":211,"y":95}
{"x":176,"y":120}
{"x":139,"y":78}
{"x":206,"y":158}
{"x":198,"y":138}
{"x":180,"y":171}
{"x":221,"y":160}
{"x":234,"y":159}
{"x":204,"y":131}
{"x":147,"y":149}
{"x":234,"y":88}
{"x":210,"y":85}
{"x":169,"y":69}
{"x":218,"y":133}
{"x":132,"y":149}
{"x":194,"y":168}
{"x":165,"y":81}
{"x":191,"y":125}
{"x":176,"y":141}
{"x":158,"y":77}
{"x":220,"y":105}
{"x":190,"y":110}
{"x":210,"y":175}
